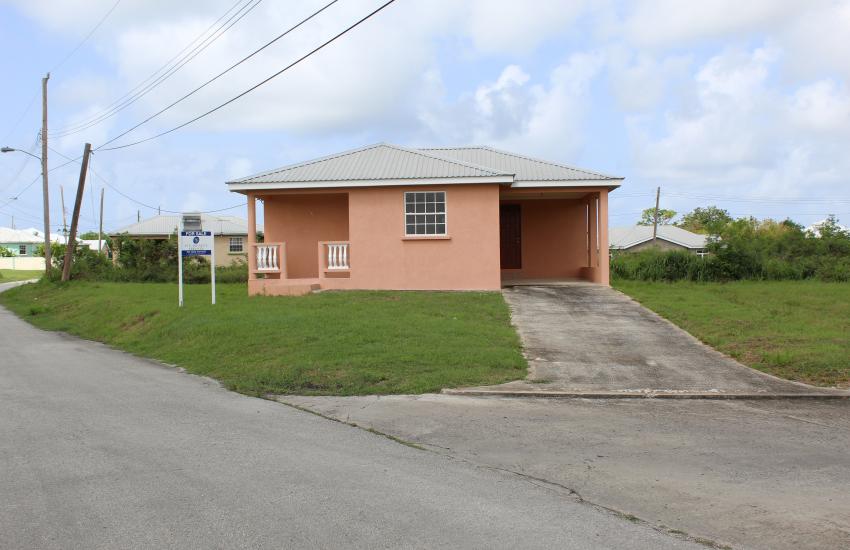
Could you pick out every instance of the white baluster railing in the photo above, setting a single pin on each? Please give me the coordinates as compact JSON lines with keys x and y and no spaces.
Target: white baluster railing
{"x":268,"y":257}
{"x":337,"y":256}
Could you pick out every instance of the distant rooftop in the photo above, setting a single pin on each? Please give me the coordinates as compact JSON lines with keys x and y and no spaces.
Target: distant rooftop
{"x":627,"y":237}
{"x":164,"y":225}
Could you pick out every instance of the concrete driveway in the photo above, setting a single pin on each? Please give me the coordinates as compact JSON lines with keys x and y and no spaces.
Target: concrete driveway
{"x":591,"y":339}
{"x":100,"y":449}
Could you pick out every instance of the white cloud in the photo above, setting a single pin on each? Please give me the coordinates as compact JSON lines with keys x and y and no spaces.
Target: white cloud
{"x":744,"y":134}
{"x":823,"y":107}
{"x":510,"y":26}
{"x":640,"y":80}
{"x":545,"y":118}
{"x":671,"y":22}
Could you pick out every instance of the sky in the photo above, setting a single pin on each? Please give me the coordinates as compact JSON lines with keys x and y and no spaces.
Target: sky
{"x":743,"y":105}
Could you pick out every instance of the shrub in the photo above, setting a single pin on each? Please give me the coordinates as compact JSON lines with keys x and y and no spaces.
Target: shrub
{"x":747,"y":249}
{"x":143,"y":261}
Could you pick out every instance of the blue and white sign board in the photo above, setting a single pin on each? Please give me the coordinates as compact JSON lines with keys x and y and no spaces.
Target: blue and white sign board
{"x":194,"y":242}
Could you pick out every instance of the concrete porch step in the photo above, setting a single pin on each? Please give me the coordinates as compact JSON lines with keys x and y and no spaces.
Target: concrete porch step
{"x":284,"y":287}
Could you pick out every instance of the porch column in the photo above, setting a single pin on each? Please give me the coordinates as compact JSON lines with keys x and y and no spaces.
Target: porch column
{"x":592,"y":230}
{"x":604,"y":275}
{"x":252,"y":236}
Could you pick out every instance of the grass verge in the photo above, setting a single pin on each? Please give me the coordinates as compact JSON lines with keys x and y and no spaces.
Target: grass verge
{"x":331,"y":343}
{"x":11,"y":275}
{"x":798,"y":330}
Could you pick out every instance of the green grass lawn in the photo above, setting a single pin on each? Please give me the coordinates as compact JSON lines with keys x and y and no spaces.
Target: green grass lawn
{"x":10,"y":275}
{"x":341,"y":343}
{"x":799,"y":330}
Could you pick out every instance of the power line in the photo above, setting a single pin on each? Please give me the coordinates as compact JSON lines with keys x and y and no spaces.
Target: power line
{"x":756,"y":199}
{"x":136,"y":201}
{"x":86,"y":37}
{"x":26,"y":161}
{"x":249,"y":90}
{"x":146,"y":86}
{"x":21,"y":192}
{"x":61,"y":62}
{"x":21,"y":117}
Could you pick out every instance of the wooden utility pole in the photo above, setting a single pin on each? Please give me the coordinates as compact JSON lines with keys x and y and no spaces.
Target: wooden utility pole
{"x":138,"y":216}
{"x":69,"y":248}
{"x":64,"y":221}
{"x":100,"y":228}
{"x":655,"y":218}
{"x":44,"y":189}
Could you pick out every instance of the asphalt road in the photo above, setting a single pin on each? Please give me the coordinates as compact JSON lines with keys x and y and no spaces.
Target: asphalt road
{"x":767,"y":475}
{"x":99,"y":449}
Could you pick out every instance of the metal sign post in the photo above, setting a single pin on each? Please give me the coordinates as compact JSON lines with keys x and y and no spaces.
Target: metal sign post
{"x":193,"y":241}
{"x":212,"y":269}
{"x":180,"y":264}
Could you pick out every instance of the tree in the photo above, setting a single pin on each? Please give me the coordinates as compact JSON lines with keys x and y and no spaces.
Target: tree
{"x":5,"y":252}
{"x":665,"y":216}
{"x":829,"y":228}
{"x":711,"y":220}
{"x":88,"y":236}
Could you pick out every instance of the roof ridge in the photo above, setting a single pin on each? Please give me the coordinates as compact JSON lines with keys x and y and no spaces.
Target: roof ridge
{"x":489,"y":169}
{"x":308,"y":162}
{"x":453,"y":147}
{"x":549,"y":162}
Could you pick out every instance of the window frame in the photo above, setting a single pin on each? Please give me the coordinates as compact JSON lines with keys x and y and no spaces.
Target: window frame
{"x":444,"y":213}
{"x":241,"y":245}
{"x":24,"y":248}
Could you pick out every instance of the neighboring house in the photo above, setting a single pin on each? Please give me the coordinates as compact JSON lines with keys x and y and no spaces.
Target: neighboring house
{"x":92,"y":244}
{"x":815,"y":228}
{"x":388,"y":217}
{"x":230,"y":234}
{"x":670,"y":237}
{"x":24,"y":245}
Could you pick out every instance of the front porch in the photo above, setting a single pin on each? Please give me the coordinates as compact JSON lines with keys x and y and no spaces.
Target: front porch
{"x":287,"y":264}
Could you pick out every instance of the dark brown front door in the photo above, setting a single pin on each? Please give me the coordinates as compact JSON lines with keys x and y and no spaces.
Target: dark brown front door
{"x":510,"y":231}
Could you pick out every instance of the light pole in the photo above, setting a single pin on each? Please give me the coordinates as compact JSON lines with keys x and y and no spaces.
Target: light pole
{"x":47,"y":250}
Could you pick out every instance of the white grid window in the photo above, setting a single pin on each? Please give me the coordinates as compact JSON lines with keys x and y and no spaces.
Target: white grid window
{"x":425,"y":213}
{"x":235,"y":244}
{"x":22,"y":250}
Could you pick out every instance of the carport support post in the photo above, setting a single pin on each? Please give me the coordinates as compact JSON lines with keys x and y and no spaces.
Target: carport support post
{"x":593,"y":231}
{"x":252,"y":236}
{"x":604,"y":256}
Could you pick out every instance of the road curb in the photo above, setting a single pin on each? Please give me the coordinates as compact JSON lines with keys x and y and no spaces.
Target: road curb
{"x":639,"y":395}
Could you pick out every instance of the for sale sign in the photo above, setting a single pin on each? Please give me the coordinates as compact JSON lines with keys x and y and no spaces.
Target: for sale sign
{"x":196,"y":243}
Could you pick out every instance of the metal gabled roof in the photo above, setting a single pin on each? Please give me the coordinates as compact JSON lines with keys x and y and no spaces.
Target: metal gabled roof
{"x":627,"y":237}
{"x":377,"y":162}
{"x":28,"y":236}
{"x":164,"y":225}
{"x":524,"y":168}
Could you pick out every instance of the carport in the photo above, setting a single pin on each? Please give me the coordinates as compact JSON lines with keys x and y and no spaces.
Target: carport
{"x":553,"y":235}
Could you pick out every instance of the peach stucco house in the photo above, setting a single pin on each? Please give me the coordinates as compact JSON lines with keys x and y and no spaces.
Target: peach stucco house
{"x":388,"y":217}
